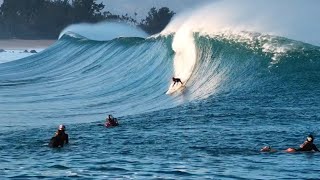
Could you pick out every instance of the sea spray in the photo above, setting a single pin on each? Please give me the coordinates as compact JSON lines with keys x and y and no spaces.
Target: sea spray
{"x":299,"y":22}
{"x":185,"y":54}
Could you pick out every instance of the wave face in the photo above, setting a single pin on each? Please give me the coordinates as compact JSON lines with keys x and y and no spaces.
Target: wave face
{"x":80,"y":80}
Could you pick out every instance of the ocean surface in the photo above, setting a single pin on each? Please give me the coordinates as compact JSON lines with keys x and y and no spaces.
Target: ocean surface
{"x":243,"y":91}
{"x":14,"y":54}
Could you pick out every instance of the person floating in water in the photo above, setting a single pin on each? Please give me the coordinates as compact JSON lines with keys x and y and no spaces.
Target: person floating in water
{"x":308,"y":145}
{"x":60,"y":138}
{"x":305,"y":147}
{"x":268,"y":149}
{"x":111,"y":121}
{"x":176,"y":80}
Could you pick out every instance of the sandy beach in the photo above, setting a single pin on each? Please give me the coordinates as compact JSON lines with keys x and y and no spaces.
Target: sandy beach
{"x":19,"y":44}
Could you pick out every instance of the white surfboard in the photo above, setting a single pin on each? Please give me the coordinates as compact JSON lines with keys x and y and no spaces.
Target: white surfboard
{"x":175,"y":88}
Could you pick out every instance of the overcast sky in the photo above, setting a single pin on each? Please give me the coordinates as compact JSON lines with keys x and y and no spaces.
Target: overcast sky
{"x":142,"y":7}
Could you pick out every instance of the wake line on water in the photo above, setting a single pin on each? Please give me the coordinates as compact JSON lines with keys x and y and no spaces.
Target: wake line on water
{"x":185,"y":54}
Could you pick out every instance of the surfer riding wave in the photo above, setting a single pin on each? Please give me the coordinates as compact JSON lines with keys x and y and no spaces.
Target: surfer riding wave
{"x":176,"y":80}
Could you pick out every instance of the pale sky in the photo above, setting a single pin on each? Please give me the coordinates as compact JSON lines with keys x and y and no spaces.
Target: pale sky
{"x":142,"y":7}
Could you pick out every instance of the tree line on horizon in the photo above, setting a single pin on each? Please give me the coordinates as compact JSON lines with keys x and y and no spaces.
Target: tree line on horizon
{"x":36,"y":19}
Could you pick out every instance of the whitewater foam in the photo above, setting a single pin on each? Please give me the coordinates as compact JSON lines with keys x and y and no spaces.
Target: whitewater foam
{"x":185,"y":54}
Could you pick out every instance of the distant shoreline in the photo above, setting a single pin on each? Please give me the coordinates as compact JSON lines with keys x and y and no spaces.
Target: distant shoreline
{"x":21,"y":44}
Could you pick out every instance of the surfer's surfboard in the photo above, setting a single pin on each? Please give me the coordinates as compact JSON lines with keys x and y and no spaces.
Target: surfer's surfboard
{"x":177,"y":87}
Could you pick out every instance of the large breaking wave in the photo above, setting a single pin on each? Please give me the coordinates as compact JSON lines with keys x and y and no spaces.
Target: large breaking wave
{"x":79,"y":79}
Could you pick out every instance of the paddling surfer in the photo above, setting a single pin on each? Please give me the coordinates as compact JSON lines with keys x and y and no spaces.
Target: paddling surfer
{"x":111,"y":121}
{"x":60,"y":138}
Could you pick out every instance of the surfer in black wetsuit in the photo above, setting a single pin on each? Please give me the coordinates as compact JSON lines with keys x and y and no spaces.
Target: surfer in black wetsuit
{"x":308,"y":145}
{"x":111,"y":121}
{"x":176,"y":80}
{"x":305,"y":147}
{"x":60,"y":138}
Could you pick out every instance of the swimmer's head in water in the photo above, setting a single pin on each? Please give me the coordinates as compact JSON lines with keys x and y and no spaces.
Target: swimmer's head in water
{"x":62,"y":127}
{"x":266,"y":149}
{"x":310,"y":138}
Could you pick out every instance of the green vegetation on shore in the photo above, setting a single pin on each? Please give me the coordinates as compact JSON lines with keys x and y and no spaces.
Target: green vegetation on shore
{"x":45,"y":19}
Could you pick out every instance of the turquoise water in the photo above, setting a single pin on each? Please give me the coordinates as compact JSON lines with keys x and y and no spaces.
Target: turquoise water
{"x":239,"y":97}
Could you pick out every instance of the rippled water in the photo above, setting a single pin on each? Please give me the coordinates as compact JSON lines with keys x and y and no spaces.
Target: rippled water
{"x":208,"y":140}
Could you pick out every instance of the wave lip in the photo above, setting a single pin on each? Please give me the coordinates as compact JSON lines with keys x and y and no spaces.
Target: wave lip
{"x":104,"y":31}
